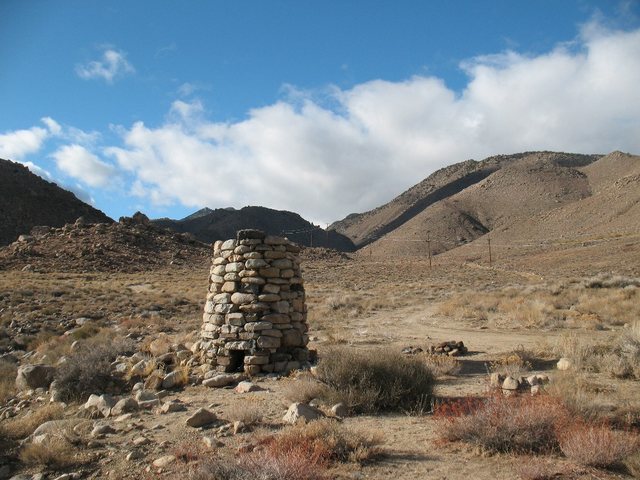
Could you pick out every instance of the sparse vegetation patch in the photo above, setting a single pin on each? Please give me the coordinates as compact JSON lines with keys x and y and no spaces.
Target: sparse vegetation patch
{"x":372,"y":381}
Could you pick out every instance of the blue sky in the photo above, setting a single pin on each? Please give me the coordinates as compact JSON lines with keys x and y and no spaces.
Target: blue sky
{"x":323,"y":108}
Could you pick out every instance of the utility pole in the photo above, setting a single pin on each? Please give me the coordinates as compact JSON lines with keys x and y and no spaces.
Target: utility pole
{"x":429,"y":247}
{"x":489,"y":243}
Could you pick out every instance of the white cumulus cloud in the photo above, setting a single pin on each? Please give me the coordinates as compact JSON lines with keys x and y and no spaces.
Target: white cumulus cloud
{"x":78,"y":162}
{"x":381,"y":137}
{"x":111,"y":66}
{"x":17,"y":144}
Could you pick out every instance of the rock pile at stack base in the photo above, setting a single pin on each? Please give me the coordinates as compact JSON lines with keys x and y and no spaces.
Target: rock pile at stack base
{"x":255,"y":316}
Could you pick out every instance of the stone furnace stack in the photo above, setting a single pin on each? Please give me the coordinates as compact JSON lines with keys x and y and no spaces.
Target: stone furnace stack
{"x":255,"y":315}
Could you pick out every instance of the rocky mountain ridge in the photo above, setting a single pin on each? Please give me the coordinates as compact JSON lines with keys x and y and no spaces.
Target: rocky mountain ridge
{"x":26,"y":201}
{"x":209,"y":225}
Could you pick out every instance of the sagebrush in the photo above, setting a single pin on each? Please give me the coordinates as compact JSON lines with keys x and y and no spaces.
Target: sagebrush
{"x":373,"y":381}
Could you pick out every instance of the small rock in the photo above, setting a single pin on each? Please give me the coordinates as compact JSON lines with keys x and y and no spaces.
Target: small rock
{"x":140,"y":368}
{"x":123,"y":418}
{"x":212,"y":442}
{"x":542,"y":379}
{"x":140,"y":441}
{"x":134,"y":455}
{"x":536,"y":389}
{"x":165,"y":461}
{"x":533,"y":380}
{"x":102,"y":430}
{"x":125,"y":405}
{"x":238,"y":427}
{"x":146,"y":395}
{"x":149,"y":404}
{"x":173,"y":406}
{"x":222,"y":380}
{"x":201,"y":418}
{"x":174,"y":379}
{"x":246,"y":387}
{"x":300,"y":411}
{"x":496,"y":379}
{"x":563,"y":364}
{"x":340,"y":410}
{"x":510,"y":383}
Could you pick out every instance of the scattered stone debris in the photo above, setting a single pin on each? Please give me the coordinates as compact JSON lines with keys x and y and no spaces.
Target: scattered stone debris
{"x":510,"y":384}
{"x":452,"y":348}
{"x":131,"y":245}
{"x":410,"y":350}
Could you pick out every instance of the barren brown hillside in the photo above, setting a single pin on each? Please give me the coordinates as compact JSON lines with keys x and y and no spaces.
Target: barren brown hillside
{"x":367,"y":227}
{"x":527,"y":186}
{"x":601,"y":231}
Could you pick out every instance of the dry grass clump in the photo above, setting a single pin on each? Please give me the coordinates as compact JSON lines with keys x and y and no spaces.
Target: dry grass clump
{"x":506,"y":424}
{"x":21,"y":427}
{"x":188,"y":451}
{"x":304,"y":389}
{"x":611,"y":281}
{"x":372,"y":381}
{"x":442,"y":365}
{"x":88,"y":369}
{"x":247,"y":412}
{"x":299,"y":452}
{"x":513,"y":363}
{"x":595,"y":402}
{"x":528,"y":309}
{"x":56,"y":454}
{"x":620,"y":358}
{"x":8,"y":372}
{"x":259,"y":466}
{"x":592,"y":303}
{"x":597,"y":445}
{"x":632,"y":463}
{"x":536,"y":468}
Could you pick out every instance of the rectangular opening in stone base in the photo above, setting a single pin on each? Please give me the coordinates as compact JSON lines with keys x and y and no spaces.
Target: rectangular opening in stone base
{"x":236,"y":358}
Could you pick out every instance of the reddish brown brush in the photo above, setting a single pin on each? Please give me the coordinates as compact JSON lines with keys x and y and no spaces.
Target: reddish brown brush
{"x":506,"y":424}
{"x":457,"y":407}
{"x":597,"y":445}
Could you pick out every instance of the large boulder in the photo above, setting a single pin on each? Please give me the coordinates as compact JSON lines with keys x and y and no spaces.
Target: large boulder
{"x":34,"y":376}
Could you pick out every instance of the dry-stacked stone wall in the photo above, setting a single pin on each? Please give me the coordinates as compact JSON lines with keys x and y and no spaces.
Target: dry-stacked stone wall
{"x":255,"y":315}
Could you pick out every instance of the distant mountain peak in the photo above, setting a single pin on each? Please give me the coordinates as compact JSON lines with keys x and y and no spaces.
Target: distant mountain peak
{"x":200,"y":213}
